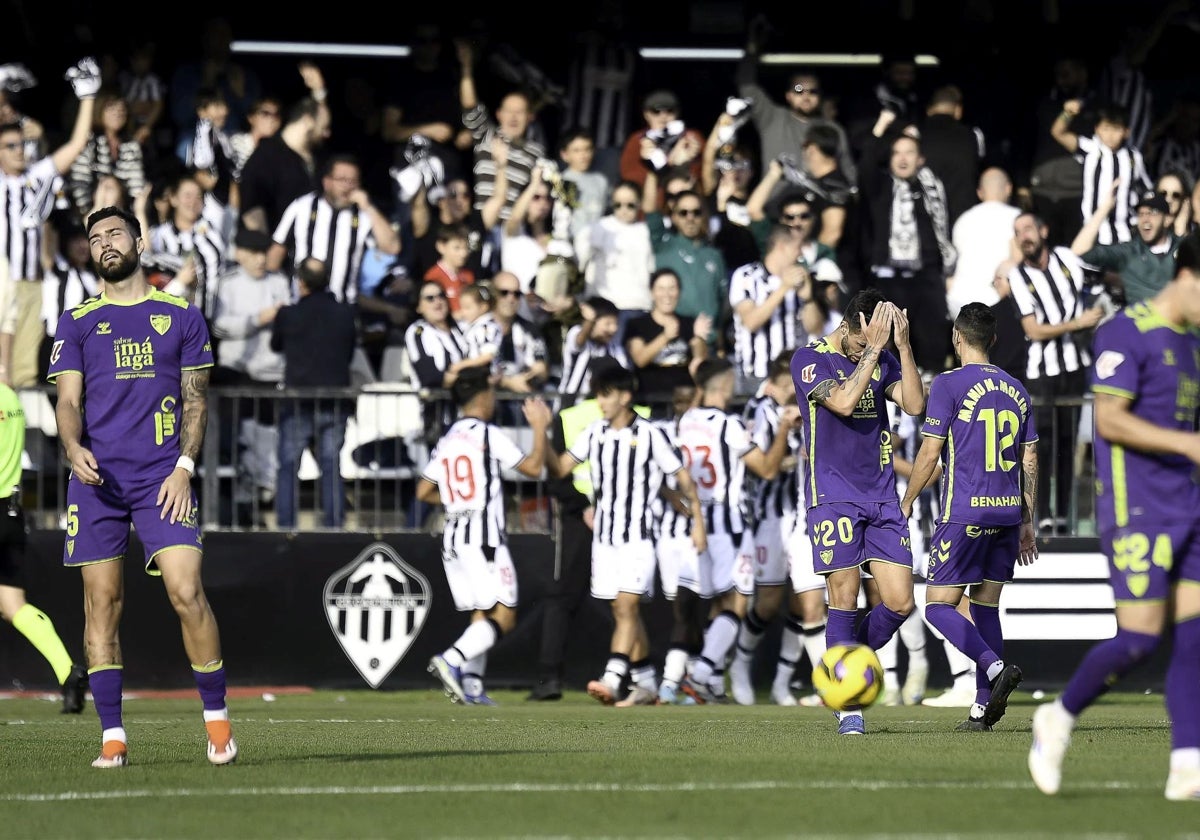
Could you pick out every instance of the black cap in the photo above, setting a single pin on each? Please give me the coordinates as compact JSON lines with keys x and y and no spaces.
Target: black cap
{"x":253,"y":240}
{"x":1152,"y":200}
{"x":661,"y":100}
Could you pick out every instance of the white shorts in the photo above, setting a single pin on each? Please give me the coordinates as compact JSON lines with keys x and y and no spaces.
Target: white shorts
{"x":674,"y":554}
{"x":626,"y":567}
{"x":477,"y":583}
{"x":770,"y":553}
{"x":800,"y":557}
{"x":727,"y":564}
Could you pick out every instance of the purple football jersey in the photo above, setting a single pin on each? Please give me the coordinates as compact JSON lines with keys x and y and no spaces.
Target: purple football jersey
{"x":983,"y":415}
{"x":849,"y":458}
{"x":131,"y":357}
{"x":1140,"y":356}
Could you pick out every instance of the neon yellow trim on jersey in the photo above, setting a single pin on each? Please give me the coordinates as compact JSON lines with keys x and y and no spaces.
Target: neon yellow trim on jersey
{"x":948,"y":476}
{"x":1115,"y":392}
{"x":1119,"y":488}
{"x":89,"y":305}
{"x":1146,"y":318}
{"x":167,"y":297}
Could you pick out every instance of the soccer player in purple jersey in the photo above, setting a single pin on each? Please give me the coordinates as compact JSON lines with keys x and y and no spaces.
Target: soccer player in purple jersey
{"x":986,"y":522}
{"x":140,"y":359}
{"x":854,"y":511}
{"x":1146,"y":384}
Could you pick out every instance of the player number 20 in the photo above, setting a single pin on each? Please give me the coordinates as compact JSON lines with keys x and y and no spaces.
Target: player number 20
{"x":1000,"y":434}
{"x":823,"y":531}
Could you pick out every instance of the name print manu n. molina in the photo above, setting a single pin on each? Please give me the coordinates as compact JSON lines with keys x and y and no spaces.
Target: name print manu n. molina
{"x":134,"y":359}
{"x":980,"y":388}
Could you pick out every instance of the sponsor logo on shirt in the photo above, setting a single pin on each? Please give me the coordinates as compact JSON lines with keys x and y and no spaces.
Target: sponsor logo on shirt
{"x":160,"y":323}
{"x":104,"y":328}
{"x":1108,"y":362}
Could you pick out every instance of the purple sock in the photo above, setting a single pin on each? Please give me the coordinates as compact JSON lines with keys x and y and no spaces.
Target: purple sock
{"x":1183,"y":686}
{"x":839,"y":626}
{"x":961,"y":633}
{"x":105,"y":686}
{"x":1103,"y":665}
{"x":212,"y":688}
{"x":987,"y":622}
{"x":879,"y":626}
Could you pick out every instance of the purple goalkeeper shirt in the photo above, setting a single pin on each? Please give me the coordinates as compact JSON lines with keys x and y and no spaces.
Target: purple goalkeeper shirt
{"x":131,"y":357}
{"x":1143,"y":358}
{"x":983,"y":415}
{"x":849,"y":458}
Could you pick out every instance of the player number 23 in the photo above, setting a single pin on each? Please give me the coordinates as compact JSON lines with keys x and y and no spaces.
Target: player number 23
{"x":708,"y":470}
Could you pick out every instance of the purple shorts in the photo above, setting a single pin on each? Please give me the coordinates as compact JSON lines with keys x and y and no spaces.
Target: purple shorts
{"x":1147,"y":558}
{"x":98,"y":520}
{"x":847,"y":534}
{"x":962,"y":555}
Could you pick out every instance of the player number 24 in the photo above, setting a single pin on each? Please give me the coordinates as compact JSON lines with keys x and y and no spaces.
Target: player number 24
{"x":1130,"y":553}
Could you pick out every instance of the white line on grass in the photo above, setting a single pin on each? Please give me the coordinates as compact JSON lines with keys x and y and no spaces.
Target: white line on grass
{"x":539,"y":787}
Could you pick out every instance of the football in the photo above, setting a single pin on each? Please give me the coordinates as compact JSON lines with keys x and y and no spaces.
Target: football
{"x":848,"y":676}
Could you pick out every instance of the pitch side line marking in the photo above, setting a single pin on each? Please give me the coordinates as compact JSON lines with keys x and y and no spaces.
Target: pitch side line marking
{"x":521,"y":787}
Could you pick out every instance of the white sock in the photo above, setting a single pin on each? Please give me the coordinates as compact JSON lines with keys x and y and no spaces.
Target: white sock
{"x":959,"y":662}
{"x":675,"y":666}
{"x":209,"y":715}
{"x":1060,"y":711}
{"x":645,"y":676}
{"x":473,"y":671}
{"x":475,"y":640}
{"x":813,"y":638}
{"x":615,"y":671}
{"x":887,"y":654}
{"x":1187,"y":758}
{"x":117,"y":733}
{"x":719,"y":638}
{"x":912,"y":634}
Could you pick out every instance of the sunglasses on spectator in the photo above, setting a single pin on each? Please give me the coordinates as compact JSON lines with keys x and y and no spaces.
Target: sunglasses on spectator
{"x":508,"y":292}
{"x":796,"y":217}
{"x":815,"y":91}
{"x":695,"y":213}
{"x":438,"y":296}
{"x":661,"y":110}
{"x":626,"y":205}
{"x":1171,"y":194}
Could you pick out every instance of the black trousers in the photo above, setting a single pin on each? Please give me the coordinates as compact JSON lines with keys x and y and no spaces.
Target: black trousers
{"x":567,"y":592}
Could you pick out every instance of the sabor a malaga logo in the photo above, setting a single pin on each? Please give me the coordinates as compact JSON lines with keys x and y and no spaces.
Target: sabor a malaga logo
{"x":376,"y":607}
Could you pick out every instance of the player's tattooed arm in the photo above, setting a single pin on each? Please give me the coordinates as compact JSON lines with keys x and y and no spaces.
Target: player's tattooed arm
{"x":821,"y":393}
{"x":841,"y":398}
{"x":194,"y":387}
{"x":1029,"y":481}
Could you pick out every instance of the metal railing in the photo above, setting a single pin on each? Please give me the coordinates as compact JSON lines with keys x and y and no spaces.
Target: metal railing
{"x":389,"y":431}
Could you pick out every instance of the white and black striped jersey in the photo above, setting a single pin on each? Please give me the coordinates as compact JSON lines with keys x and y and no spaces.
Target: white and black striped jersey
{"x":208,"y":248}
{"x":466,"y":466}
{"x":1053,"y":296}
{"x":28,"y":201}
{"x":521,"y":348}
{"x":668,"y":521}
{"x":65,"y":287}
{"x":577,"y":374}
{"x":778,"y":496}
{"x":311,"y":227}
{"x":1101,"y":165}
{"x":482,"y":336}
{"x":97,"y":159}
{"x":713,"y":443}
{"x":523,"y":154}
{"x":1124,"y":84}
{"x":753,"y":351}
{"x":627,"y":468}
{"x":431,"y":351}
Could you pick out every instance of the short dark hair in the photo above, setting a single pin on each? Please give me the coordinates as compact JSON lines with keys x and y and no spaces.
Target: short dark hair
{"x":471,"y":382}
{"x":863,"y":302}
{"x":781,"y":364}
{"x":615,"y":377}
{"x":602,"y":306}
{"x":710,"y":369}
{"x":1187,"y":254}
{"x":313,"y":274}
{"x":976,"y":323}
{"x":124,"y":215}
{"x":665,"y":272}
{"x":824,"y":137}
{"x":573,"y":133}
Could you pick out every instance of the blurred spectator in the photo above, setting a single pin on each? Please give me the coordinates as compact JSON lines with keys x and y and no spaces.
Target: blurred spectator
{"x":522,"y":353}
{"x":684,"y":247}
{"x":616,"y":256}
{"x":145,"y":92}
{"x":214,"y":68}
{"x":69,"y":283}
{"x":111,"y":149}
{"x":664,"y":141}
{"x":1176,"y":187}
{"x":952,"y":149}
{"x":188,"y":247}
{"x":1144,"y":264}
{"x":664,"y":347}
{"x":314,"y":421}
{"x":577,"y":150}
{"x":264,"y":119}
{"x":983,"y":237}
{"x":283,"y":167}
{"x":595,"y":337}
{"x":1175,"y":141}
{"x":450,"y":271}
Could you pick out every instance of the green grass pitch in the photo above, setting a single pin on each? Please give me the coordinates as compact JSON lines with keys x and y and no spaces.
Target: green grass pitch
{"x":359,"y":764}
